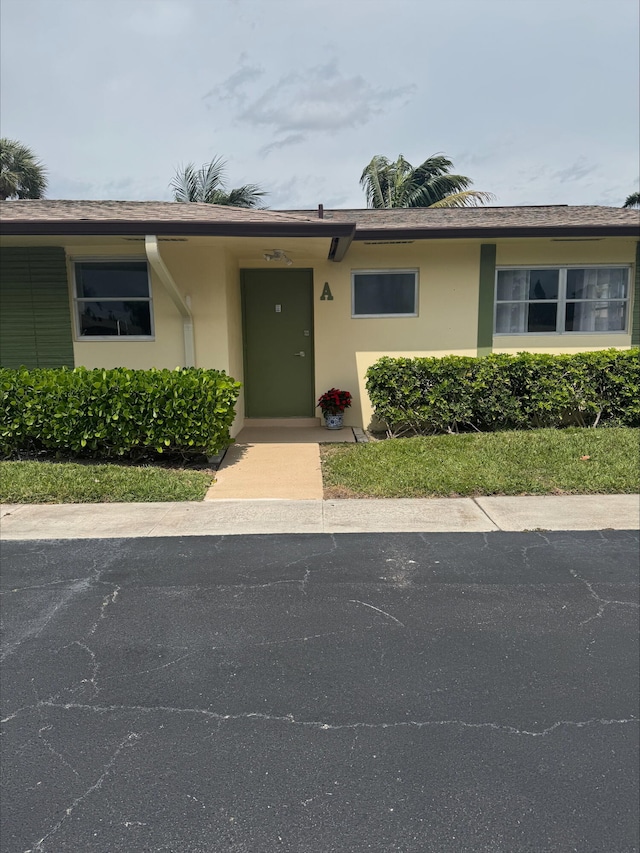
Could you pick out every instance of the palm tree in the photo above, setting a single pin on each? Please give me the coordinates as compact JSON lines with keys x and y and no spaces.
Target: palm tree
{"x":21,"y":174}
{"x":633,"y":200}
{"x":399,"y":184}
{"x":207,"y":185}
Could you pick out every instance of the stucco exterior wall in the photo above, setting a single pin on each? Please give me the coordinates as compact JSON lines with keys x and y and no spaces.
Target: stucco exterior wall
{"x":200,"y":273}
{"x":166,"y":351}
{"x":446,"y":323}
{"x":235,"y":342}
{"x":209,"y":277}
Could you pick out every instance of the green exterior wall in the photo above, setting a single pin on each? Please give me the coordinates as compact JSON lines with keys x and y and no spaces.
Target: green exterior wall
{"x":35,"y":321}
{"x":635,"y":318}
{"x":485,"y":297}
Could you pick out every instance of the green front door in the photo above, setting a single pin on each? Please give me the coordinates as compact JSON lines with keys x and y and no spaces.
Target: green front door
{"x":277,"y":308}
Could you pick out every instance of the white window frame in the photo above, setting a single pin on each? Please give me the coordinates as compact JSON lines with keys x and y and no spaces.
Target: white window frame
{"x":562,"y":299}
{"x":416,"y":274}
{"x":78,"y":300}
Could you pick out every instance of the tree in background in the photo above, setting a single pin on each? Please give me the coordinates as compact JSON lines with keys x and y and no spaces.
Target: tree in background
{"x":633,"y":200}
{"x":22,"y":175}
{"x":399,"y":184}
{"x":207,"y":185}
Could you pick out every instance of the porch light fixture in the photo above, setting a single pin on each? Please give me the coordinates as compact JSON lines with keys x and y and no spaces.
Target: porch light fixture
{"x":277,"y":255}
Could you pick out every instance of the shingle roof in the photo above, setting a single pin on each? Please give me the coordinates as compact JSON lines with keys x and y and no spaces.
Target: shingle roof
{"x":465,"y":219}
{"x":136,"y":217}
{"x":48,"y":210}
{"x":50,"y":216}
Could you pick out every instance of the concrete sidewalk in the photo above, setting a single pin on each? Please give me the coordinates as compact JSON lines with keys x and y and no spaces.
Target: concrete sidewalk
{"x":264,"y":516}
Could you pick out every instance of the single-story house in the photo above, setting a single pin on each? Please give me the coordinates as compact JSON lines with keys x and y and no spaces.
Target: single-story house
{"x":292,"y":303}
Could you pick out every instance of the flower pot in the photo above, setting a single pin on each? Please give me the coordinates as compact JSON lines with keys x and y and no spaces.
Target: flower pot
{"x":333,"y":421}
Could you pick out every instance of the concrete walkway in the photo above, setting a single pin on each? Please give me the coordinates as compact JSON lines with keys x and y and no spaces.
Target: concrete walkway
{"x":235,"y":517}
{"x":271,"y":462}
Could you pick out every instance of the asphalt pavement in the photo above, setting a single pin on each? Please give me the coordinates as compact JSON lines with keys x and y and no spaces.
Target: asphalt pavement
{"x":319,"y":693}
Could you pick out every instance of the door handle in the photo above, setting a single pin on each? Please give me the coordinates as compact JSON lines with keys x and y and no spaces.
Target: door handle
{"x":300,"y":354}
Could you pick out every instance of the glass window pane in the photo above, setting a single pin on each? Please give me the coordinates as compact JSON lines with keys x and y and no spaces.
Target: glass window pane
{"x":597,"y":283}
{"x":112,"y":279}
{"x":384,"y":293}
{"x":512,"y":284}
{"x":114,"y":318}
{"x":511,"y":318}
{"x":542,"y":317}
{"x":595,"y":317}
{"x":543,"y":284}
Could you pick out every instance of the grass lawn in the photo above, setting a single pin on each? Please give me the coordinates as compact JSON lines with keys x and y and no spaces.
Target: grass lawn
{"x":536,"y":462}
{"x":71,"y":482}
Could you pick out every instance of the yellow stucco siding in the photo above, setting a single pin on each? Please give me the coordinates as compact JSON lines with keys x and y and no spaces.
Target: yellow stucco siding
{"x":608,"y":250}
{"x":446,"y":323}
{"x":165,"y":351}
{"x":200,"y":273}
{"x":208,"y":272}
{"x":235,"y":342}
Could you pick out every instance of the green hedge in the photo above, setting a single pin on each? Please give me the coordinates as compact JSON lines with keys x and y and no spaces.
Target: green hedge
{"x":420,"y":396}
{"x":111,"y":413}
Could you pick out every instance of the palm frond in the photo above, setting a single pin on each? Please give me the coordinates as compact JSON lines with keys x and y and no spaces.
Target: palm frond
{"x":434,"y":166}
{"x":185,"y":184}
{"x":248,"y":195}
{"x":467,"y":198}
{"x":399,"y":184}
{"x":22,"y":175}
{"x":206,"y":185}
{"x":424,"y":193}
{"x":375,"y":182}
{"x":633,"y":200}
{"x":210,"y":180}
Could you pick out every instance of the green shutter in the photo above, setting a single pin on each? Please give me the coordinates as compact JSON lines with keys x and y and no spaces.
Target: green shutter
{"x":35,"y":322}
{"x":485,"y":298}
{"x":635,"y":318}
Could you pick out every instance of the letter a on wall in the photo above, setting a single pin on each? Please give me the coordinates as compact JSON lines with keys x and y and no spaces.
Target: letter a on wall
{"x":326,"y":293}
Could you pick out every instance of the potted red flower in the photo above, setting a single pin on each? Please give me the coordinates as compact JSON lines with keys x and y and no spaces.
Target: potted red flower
{"x":333,"y":403}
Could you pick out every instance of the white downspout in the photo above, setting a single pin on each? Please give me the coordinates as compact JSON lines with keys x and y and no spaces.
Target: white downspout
{"x":182,"y":304}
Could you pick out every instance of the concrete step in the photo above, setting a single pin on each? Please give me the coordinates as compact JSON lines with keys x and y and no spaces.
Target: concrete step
{"x":281,"y":422}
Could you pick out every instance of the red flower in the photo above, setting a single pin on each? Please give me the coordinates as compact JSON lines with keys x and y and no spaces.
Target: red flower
{"x":334,"y":401}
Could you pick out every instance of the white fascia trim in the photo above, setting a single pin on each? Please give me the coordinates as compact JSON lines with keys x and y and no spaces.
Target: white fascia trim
{"x":159,"y":267}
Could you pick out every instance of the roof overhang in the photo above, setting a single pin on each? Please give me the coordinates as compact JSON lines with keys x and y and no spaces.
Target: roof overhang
{"x":330,"y":230}
{"x":496,"y":233}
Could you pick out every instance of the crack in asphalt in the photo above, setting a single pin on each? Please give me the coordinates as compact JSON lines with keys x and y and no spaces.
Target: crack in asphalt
{"x":602,"y":603}
{"x":289,"y":719}
{"x":106,"y":769}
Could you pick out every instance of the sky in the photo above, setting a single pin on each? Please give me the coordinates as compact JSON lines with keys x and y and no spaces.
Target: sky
{"x":536,"y":101}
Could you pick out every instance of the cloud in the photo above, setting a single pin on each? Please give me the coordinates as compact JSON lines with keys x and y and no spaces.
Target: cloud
{"x":318,"y":99}
{"x":291,"y":139}
{"x":134,"y":189}
{"x":231,"y":88}
{"x":575,"y":172}
{"x":321,"y":99}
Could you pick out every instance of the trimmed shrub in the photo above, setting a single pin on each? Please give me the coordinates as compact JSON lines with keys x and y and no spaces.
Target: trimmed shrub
{"x":113,"y":413}
{"x":422,"y":396}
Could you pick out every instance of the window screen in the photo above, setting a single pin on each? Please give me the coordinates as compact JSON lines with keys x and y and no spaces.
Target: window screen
{"x":385,"y":293}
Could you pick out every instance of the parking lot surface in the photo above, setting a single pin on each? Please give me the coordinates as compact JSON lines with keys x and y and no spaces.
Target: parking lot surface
{"x":350,"y":692}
